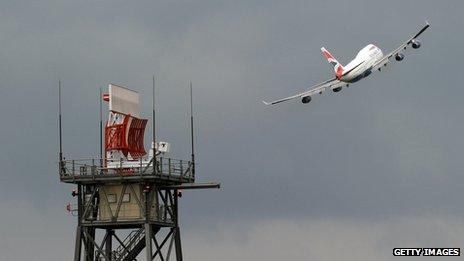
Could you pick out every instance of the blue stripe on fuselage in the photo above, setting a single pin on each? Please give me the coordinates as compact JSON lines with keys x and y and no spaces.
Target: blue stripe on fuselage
{"x":360,"y":76}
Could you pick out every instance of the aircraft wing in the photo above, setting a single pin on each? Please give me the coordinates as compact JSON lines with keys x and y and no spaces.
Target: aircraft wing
{"x":386,"y":59}
{"x":318,"y":88}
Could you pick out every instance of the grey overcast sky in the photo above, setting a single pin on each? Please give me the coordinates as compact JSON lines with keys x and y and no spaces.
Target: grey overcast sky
{"x":351,"y":175}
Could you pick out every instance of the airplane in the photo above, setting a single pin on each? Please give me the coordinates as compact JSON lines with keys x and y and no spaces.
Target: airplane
{"x":369,"y":59}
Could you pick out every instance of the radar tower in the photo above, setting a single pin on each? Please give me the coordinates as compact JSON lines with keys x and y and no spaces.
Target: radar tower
{"x":128,"y":201}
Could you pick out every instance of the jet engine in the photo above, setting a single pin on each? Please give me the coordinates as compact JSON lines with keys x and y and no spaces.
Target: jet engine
{"x":416,"y":44}
{"x":306,"y":99}
{"x":337,"y":89}
{"x":399,"y":57}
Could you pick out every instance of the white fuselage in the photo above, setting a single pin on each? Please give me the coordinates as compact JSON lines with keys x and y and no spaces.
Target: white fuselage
{"x":361,"y":65}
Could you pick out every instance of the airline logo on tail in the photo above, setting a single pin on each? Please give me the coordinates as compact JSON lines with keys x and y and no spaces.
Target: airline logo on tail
{"x":338,"y":67}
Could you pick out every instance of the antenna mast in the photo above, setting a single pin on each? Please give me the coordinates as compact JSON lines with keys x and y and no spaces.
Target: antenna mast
{"x":154,"y":119}
{"x":59,"y":120}
{"x":101,"y":127}
{"x":154,"y":128}
{"x":191,"y":130}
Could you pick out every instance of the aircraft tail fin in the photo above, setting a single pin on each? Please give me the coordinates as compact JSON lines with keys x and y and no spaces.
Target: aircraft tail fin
{"x":338,"y":67}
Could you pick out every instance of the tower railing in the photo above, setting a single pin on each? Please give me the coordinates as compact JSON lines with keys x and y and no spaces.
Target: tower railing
{"x":85,"y":170}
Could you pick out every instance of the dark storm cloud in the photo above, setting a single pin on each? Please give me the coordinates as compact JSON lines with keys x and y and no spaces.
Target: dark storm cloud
{"x":388,"y":146}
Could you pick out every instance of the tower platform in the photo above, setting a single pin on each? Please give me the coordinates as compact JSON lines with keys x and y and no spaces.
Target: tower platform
{"x":166,"y":171}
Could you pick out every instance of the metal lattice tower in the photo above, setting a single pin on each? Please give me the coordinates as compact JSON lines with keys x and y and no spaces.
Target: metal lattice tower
{"x":130,"y":204}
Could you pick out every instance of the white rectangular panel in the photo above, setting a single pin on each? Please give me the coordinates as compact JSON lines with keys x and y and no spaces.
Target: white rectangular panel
{"x":123,"y":100}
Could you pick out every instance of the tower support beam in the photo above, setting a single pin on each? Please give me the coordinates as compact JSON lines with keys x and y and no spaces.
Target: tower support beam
{"x":78,"y":248}
{"x":109,"y":243}
{"x":148,"y":245}
{"x":178,"y":244}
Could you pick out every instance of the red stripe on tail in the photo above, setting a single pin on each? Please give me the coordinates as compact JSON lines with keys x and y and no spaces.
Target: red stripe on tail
{"x":327,"y":55}
{"x":339,"y":72}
